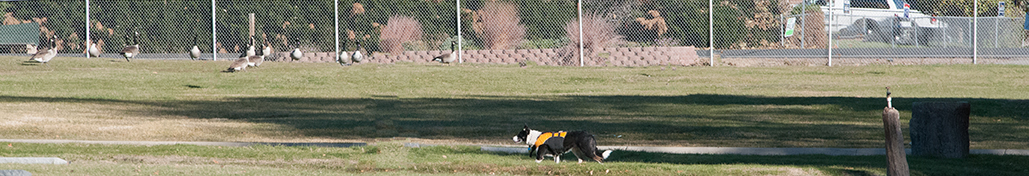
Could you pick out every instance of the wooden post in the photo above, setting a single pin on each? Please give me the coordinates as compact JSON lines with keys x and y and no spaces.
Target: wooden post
{"x":898,"y":162}
{"x":252,"y":21}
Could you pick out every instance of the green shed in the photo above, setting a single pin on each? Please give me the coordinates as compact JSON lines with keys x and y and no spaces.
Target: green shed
{"x":13,"y":38}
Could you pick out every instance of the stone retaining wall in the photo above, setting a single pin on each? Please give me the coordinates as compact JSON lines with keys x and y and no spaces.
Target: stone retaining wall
{"x":766,"y":62}
{"x":632,"y":57}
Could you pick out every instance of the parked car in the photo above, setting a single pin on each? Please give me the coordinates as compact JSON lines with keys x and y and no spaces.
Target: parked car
{"x":881,"y":21}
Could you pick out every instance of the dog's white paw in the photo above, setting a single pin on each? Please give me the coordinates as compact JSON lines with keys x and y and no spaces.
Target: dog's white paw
{"x":538,"y":161}
{"x":606,"y":154}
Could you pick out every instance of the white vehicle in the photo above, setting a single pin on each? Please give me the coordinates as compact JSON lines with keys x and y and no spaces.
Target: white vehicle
{"x":879,"y":20}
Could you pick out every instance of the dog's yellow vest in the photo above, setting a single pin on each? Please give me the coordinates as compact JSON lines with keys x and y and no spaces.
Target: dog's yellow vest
{"x":547,"y":135}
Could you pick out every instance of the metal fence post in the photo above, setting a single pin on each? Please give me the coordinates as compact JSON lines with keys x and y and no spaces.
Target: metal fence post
{"x":214,"y":32}
{"x":831,"y":4}
{"x":711,"y":31}
{"x":335,"y":5}
{"x":803,"y":25}
{"x":460,"y":42}
{"x":975,"y":32}
{"x":89,"y":42}
{"x":580,"y":33}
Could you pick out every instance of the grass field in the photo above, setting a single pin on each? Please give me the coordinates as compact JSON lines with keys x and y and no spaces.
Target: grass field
{"x":174,"y":100}
{"x":392,"y":159}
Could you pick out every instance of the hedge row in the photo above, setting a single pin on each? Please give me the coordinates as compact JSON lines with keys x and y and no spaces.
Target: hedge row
{"x":170,"y":26}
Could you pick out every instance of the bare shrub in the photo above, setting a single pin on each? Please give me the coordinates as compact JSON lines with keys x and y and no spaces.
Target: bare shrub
{"x":399,"y":29}
{"x":814,"y":31}
{"x":500,"y":26}
{"x":598,"y":33}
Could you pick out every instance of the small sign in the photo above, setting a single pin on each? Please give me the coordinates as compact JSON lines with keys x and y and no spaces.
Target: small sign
{"x":846,"y":7}
{"x":790,"y":24}
{"x":1000,"y":9}
{"x":907,"y":10}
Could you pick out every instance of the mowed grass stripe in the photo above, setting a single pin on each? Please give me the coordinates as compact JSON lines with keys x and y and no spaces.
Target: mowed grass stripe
{"x":390,"y":158}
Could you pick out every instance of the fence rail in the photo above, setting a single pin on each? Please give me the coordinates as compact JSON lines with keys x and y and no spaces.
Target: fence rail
{"x":547,"y":32}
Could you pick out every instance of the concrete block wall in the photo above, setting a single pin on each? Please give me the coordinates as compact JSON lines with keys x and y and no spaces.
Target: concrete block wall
{"x":631,"y":57}
{"x":645,"y":56}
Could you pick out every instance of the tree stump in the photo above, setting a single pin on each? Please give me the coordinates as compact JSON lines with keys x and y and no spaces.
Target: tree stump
{"x":940,"y":129}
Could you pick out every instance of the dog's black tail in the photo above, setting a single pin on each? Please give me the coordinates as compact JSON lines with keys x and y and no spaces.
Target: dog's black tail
{"x":591,"y":150}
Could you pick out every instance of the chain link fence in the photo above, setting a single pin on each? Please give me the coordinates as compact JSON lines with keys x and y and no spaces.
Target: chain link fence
{"x":165,"y":28}
{"x":542,"y":32}
{"x":860,"y":32}
{"x":398,"y":31}
{"x":281,"y":25}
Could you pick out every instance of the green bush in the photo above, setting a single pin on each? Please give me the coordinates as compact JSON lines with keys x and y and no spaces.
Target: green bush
{"x":688,"y":22}
{"x":169,"y":26}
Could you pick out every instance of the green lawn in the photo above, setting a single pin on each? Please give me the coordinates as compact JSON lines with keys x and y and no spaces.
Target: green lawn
{"x":390,"y":158}
{"x":160,"y":100}
{"x":175,"y":100}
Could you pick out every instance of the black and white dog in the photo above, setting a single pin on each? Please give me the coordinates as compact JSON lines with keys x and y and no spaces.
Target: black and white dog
{"x":553,"y":144}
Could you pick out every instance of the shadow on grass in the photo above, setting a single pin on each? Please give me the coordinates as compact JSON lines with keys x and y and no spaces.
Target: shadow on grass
{"x":692,"y":120}
{"x":831,"y":165}
{"x":848,"y":165}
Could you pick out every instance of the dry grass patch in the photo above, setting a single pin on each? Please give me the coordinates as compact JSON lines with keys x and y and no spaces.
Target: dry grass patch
{"x":106,"y":122}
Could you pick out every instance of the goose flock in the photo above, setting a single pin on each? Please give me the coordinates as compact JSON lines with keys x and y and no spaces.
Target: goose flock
{"x":254,"y":55}
{"x":354,"y":56}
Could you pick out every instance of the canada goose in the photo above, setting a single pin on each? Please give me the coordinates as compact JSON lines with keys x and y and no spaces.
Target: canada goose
{"x":93,"y":50}
{"x":889,"y":100}
{"x":31,"y":49}
{"x":256,"y":60}
{"x":251,"y":50}
{"x":357,"y":56}
{"x":268,"y":49}
{"x":194,"y":53}
{"x":44,"y":56}
{"x":296,"y":54}
{"x":447,"y":58}
{"x":343,"y":56}
{"x":238,"y":65}
{"x":131,"y":51}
